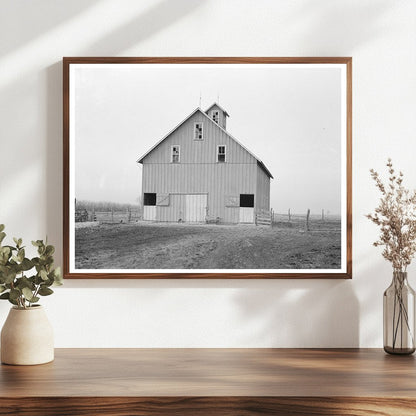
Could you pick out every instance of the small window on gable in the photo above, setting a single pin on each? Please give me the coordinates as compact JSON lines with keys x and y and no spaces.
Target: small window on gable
{"x":176,"y":153}
{"x":199,"y":131}
{"x":221,"y":154}
{"x":216,"y":116}
{"x":149,"y":199}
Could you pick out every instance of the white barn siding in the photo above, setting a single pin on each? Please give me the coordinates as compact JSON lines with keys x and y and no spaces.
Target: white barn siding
{"x":199,"y":173}
{"x":219,"y":184}
{"x":195,"y":151}
{"x":263,"y":190}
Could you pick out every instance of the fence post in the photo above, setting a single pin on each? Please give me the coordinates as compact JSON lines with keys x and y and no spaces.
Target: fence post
{"x":112,"y":214}
{"x":288,"y":213}
{"x":307,"y":219}
{"x":323,"y":214}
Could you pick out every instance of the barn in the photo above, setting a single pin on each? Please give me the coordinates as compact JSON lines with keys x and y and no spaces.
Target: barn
{"x":198,"y":172}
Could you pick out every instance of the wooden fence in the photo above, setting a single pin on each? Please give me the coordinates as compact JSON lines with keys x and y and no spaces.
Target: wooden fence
{"x":264,"y":217}
{"x":308,"y":221}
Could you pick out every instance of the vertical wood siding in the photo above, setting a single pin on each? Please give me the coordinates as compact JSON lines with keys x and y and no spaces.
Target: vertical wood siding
{"x":199,"y":172}
{"x":263,"y":190}
{"x":149,"y":213}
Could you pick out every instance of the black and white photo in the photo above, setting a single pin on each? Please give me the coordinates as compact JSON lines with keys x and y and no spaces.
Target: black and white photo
{"x":221,"y":167}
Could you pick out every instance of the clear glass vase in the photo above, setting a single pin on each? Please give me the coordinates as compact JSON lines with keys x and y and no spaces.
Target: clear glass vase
{"x":399,"y":316}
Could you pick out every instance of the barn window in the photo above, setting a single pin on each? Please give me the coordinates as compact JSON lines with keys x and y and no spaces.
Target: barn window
{"x":216,"y":116}
{"x":247,"y":200}
{"x":149,"y":199}
{"x":221,"y":154}
{"x":176,"y":151}
{"x":199,"y":131}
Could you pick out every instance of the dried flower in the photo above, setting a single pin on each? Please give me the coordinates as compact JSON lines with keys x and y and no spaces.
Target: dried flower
{"x":396,"y":217}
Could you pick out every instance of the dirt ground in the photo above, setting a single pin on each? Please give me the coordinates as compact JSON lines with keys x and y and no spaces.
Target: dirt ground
{"x":183,"y":246}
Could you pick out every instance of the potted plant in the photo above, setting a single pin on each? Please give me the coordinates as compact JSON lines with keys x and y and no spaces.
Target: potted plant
{"x":27,"y":336}
{"x":396,"y":217}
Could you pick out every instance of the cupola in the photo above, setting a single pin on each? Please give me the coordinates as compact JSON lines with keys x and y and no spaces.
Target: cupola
{"x":217,"y":114}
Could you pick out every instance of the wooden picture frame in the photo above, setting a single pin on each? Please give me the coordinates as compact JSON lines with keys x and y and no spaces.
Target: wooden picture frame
{"x":308,"y":101}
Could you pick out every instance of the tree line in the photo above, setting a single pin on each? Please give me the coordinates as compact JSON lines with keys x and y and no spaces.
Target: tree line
{"x":104,"y":206}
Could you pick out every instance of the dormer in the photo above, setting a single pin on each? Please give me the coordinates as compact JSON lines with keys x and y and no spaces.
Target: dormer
{"x":217,"y":114}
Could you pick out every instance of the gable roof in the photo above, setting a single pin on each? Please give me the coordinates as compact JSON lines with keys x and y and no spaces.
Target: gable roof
{"x":216,"y":104}
{"x":259,"y":162}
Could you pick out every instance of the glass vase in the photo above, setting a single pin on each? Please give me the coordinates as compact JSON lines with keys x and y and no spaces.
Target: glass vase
{"x":399,"y":316}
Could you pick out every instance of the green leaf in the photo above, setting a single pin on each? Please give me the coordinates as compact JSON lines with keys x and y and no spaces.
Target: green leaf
{"x":4,"y":258}
{"x":5,"y":295}
{"x":9,"y":277}
{"x":58,"y":280}
{"x":2,"y":227}
{"x":21,"y":255}
{"x":24,"y":282}
{"x":41,"y":249}
{"x":47,"y":260}
{"x":37,"y":243}
{"x":45,"y":291}
{"x":49,"y":250}
{"x":5,"y":250}
{"x":2,"y":288}
{"x":43,"y":274}
{"x":27,"y":293}
{"x":26,"y":264}
{"x":2,"y":236}
{"x":38,"y":280}
{"x":15,"y":293}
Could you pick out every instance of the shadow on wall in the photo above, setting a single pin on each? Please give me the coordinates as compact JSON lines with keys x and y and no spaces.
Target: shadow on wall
{"x":300,"y":313}
{"x":157,"y":17}
{"x":336,"y":17}
{"x":37,"y":17}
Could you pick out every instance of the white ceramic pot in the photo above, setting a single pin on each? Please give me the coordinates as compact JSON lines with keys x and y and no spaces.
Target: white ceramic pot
{"x":27,"y":337}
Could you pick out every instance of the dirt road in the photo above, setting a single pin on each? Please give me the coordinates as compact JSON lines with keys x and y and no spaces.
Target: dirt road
{"x":184,"y":246}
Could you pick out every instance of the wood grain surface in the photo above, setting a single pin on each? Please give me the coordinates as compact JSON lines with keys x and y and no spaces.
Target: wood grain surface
{"x":212,"y":381}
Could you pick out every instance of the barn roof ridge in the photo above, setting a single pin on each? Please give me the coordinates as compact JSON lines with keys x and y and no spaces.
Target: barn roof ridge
{"x":259,"y":161}
{"x":140,"y":159}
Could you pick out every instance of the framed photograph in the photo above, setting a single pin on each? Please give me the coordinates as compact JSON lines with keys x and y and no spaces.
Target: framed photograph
{"x":207,"y":168}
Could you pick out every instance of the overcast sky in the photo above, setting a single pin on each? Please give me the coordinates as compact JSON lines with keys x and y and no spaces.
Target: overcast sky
{"x":289,"y":117}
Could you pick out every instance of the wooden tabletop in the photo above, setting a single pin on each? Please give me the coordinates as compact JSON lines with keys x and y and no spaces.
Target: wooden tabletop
{"x":262,"y":377}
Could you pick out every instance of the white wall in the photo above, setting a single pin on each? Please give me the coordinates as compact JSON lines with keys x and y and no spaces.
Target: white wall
{"x":380,"y":35}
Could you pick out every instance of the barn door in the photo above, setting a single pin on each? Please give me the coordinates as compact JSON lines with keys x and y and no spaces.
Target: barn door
{"x":246,"y":215}
{"x":247,"y":208}
{"x":195,"y":208}
{"x":149,"y":212}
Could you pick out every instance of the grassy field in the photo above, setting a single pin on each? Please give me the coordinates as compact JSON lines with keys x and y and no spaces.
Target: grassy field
{"x":183,"y":246}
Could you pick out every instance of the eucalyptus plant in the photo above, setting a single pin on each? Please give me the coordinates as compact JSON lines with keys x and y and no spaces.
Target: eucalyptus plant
{"x":16,"y":285}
